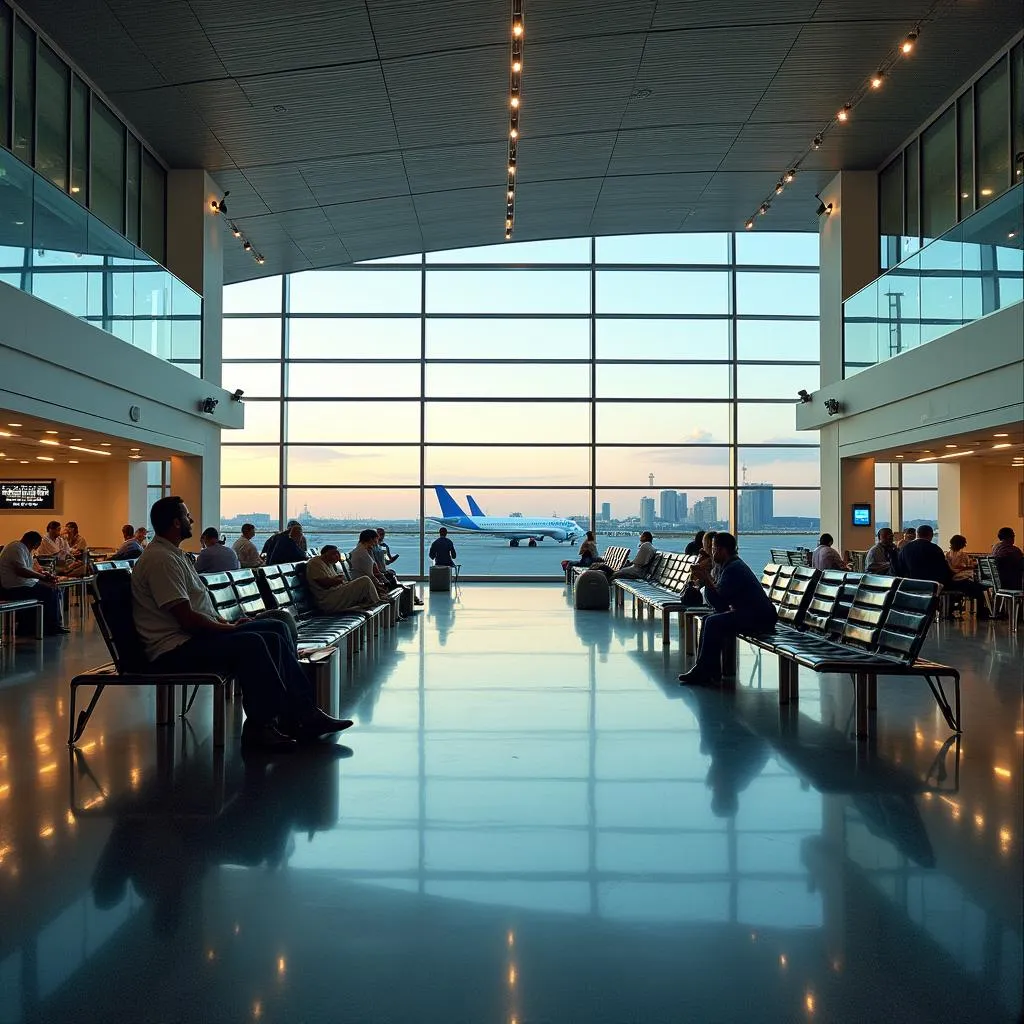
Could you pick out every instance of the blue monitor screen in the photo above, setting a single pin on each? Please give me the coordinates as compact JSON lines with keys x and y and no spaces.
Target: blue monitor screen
{"x":862,"y":515}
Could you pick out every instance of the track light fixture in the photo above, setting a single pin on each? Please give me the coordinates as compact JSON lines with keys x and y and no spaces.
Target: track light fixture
{"x":871,"y":84}
{"x":220,"y":206}
{"x":515,"y":83}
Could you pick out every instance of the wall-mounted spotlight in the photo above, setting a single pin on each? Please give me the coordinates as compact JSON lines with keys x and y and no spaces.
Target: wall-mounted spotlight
{"x":236,"y":395}
{"x":823,"y":207}
{"x":804,"y":397}
{"x":222,"y":206}
{"x":208,"y":405}
{"x":833,"y":406}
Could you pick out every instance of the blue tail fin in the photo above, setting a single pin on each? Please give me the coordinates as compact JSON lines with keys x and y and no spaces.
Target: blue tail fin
{"x":449,"y":506}
{"x":474,"y":508}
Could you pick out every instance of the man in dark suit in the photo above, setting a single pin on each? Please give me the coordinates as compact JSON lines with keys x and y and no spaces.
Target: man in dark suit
{"x":922,"y":560}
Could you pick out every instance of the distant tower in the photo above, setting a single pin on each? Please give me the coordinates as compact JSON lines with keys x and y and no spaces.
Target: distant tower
{"x":650,"y":478}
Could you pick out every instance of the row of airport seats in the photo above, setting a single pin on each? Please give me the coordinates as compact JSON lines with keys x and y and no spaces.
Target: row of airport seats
{"x":237,"y":593}
{"x":614,"y":558}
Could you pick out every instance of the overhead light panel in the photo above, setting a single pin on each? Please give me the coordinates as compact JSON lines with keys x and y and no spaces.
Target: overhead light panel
{"x":91,"y":451}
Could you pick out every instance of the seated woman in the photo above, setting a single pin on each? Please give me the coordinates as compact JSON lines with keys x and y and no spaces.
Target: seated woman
{"x":588,"y":554}
{"x":963,"y":582}
{"x":696,"y":545}
{"x":79,"y":551}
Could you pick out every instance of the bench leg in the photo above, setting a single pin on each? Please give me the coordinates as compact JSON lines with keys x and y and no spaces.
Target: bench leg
{"x":689,"y":627}
{"x":666,"y":627}
{"x":219,"y":716}
{"x":789,"y":681}
{"x":39,"y":620}
{"x":872,"y":693}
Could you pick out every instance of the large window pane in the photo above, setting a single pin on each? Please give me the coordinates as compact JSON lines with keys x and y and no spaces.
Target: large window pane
{"x":52,"y":104}
{"x":506,"y":380}
{"x":5,"y":75}
{"x":778,"y":340}
{"x":335,"y":515}
{"x":333,"y":380}
{"x":770,"y":423}
{"x":256,"y":505}
{"x":777,"y":294}
{"x":992,"y":126}
{"x":921,"y":475}
{"x":912,"y":194}
{"x":663,"y":291}
{"x":662,"y":339}
{"x":133,"y":187}
{"x":640,"y":380}
{"x":250,"y":465}
{"x":460,"y":466}
{"x":938,"y":176}
{"x":79,"y":140}
{"x":560,"y":250}
{"x":353,"y":421}
{"x":24,"y":134}
{"x":508,"y":422}
{"x":1017,"y":111}
{"x":965,"y":145}
{"x":662,"y":423}
{"x":674,"y":467}
{"x":262,"y":296}
{"x":262,"y":423}
{"x":778,"y":249}
{"x":920,"y":507}
{"x":355,"y":291}
{"x":353,"y":338}
{"x":153,"y":231}
{"x":336,"y":464}
{"x":529,"y":339}
{"x":257,"y":380}
{"x":629,"y":510}
{"x":890,"y":212}
{"x":775,"y":381}
{"x":508,"y":291}
{"x":783,"y":467}
{"x":681,"y":248}
{"x":106,"y":197}
{"x":250,"y":338}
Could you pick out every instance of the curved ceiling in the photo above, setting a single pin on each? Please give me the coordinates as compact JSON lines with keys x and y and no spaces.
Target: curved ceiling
{"x":352,"y":130}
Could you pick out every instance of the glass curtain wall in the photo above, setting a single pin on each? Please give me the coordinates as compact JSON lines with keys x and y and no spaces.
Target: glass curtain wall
{"x":625,"y":383}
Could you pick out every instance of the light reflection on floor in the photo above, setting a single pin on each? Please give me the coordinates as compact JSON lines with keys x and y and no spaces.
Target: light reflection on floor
{"x":530,"y":822}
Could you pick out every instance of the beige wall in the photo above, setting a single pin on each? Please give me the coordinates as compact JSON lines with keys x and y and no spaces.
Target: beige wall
{"x":976,"y":500}
{"x":94,"y":495}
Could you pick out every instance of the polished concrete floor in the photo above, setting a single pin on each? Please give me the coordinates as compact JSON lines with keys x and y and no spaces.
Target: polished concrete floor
{"x":531,"y":822}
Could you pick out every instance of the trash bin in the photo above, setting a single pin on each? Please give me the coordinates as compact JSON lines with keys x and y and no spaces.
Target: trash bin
{"x":323,"y":669}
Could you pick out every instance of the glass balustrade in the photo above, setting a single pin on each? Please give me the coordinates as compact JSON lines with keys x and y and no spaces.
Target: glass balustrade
{"x":975,"y":269}
{"x":54,"y":249}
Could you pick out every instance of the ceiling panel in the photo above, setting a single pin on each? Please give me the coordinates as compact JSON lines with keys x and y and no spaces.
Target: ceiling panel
{"x":281,"y":188}
{"x":699,"y":14}
{"x":675,"y":148}
{"x":653,"y":202}
{"x":406,"y":27}
{"x":448,"y":167}
{"x":560,"y":157}
{"x":353,"y":178}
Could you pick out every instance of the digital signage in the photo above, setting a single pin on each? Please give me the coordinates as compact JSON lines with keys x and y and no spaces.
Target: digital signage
{"x":27,"y":494}
{"x":862,"y":515}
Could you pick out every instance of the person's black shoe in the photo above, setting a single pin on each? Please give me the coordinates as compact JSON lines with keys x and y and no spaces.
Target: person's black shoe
{"x":418,"y":600}
{"x":57,"y":631}
{"x":266,"y":738}
{"x":697,"y":677}
{"x":320,"y":724}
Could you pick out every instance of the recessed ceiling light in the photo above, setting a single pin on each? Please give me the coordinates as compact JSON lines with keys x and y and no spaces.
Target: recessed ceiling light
{"x":899,"y":456}
{"x":135,"y":449}
{"x":1005,"y":444}
{"x":45,"y":458}
{"x":72,"y":462}
{"x":105,"y":444}
{"x":14,"y":424}
{"x":24,"y":462}
{"x":45,"y":440}
{"x":986,"y":191}
{"x":950,"y":445}
{"x":52,"y":431}
{"x":1000,"y":435}
{"x":74,"y":439}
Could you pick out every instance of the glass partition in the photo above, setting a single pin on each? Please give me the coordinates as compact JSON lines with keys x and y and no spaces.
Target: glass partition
{"x":54,"y":249}
{"x":975,"y":269}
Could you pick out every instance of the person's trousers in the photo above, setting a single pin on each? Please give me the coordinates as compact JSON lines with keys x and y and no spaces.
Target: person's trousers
{"x":970,"y":589}
{"x":258,"y":656}
{"x":53,"y":613}
{"x":721,"y":630}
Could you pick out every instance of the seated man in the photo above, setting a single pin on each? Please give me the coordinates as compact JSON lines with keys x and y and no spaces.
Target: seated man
{"x":215,"y":556}
{"x":880,"y":559}
{"x":442,"y":550}
{"x":142,"y":536}
{"x":181,"y":632}
{"x":289,"y":546}
{"x":741,"y":606}
{"x":825,"y":556}
{"x":362,"y":564}
{"x":54,"y":545}
{"x":248,"y":556}
{"x":268,"y":544}
{"x":383,"y":557}
{"x":923,"y":560}
{"x":20,"y":582}
{"x":331,"y":591}
{"x":130,"y":548}
{"x":640,"y":564}
{"x":1009,"y":560}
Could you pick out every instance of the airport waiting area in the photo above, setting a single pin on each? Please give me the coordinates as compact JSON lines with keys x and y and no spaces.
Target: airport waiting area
{"x":511,"y":513}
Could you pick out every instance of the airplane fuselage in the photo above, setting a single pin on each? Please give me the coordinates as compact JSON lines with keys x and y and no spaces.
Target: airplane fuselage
{"x":513,"y":528}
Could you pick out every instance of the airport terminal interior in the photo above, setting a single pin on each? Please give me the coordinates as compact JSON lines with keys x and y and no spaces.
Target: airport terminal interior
{"x":518,"y":271}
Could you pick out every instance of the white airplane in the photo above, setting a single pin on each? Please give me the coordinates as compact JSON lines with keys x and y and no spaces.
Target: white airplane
{"x":514,"y":529}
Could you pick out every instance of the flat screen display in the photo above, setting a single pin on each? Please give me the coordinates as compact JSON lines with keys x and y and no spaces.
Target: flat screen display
{"x":27,"y":494}
{"x":862,"y":515}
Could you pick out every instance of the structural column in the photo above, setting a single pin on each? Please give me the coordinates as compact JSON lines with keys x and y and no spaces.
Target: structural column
{"x":848,"y":261}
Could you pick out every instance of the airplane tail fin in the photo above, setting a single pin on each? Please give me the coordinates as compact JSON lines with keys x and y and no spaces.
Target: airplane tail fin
{"x":474,"y":508}
{"x":449,"y":506}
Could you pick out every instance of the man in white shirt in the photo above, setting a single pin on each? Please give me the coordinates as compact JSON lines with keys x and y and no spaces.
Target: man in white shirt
{"x":825,"y":556}
{"x":181,"y":632}
{"x":331,"y":591}
{"x":19,"y":581}
{"x":54,"y":545}
{"x":215,"y":556}
{"x":248,"y":555}
{"x":640,"y":565}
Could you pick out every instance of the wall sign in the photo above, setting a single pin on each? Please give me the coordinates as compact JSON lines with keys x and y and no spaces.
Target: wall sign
{"x":27,"y":494}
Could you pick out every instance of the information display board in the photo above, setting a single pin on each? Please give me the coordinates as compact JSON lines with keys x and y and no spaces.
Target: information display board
{"x":27,"y":494}
{"x":862,"y":514}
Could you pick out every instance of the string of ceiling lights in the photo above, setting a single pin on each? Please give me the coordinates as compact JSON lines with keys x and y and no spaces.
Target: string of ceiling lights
{"x":869,"y":86}
{"x":515,"y":82}
{"x":221,"y":209}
